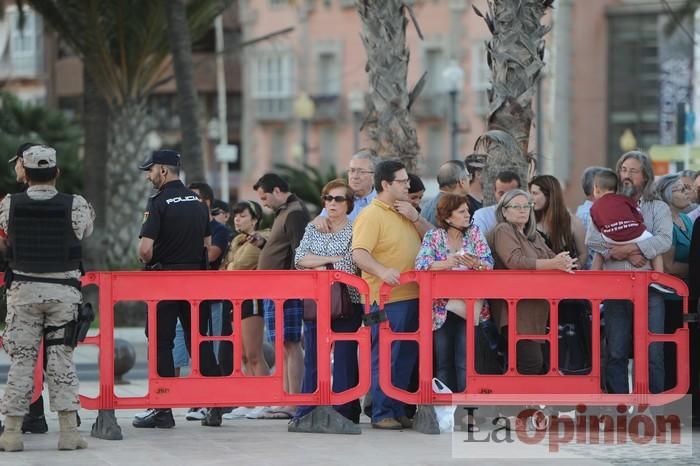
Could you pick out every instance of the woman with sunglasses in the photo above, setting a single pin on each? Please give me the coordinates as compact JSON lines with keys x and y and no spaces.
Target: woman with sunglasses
{"x":243,"y":255}
{"x":517,"y":245}
{"x":316,"y":251}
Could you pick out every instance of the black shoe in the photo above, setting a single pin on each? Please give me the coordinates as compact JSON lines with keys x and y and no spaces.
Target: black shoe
{"x":160,"y":418}
{"x":213,"y":417}
{"x":34,"y":424}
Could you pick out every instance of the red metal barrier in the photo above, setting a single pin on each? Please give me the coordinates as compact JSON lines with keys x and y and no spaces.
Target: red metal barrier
{"x":552,"y":388}
{"x":235,"y":389}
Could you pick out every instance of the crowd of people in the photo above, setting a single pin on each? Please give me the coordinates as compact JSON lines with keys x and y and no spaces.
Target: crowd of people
{"x":375,"y":224}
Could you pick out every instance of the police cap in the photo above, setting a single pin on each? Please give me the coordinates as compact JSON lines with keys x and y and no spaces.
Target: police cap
{"x":161,"y":157}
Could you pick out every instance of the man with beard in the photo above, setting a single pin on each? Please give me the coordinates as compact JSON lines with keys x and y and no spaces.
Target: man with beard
{"x":174,"y":236}
{"x":636,"y":178}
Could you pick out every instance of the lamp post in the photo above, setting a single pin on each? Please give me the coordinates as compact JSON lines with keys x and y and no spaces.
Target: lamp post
{"x":627,"y":141}
{"x":304,"y":110}
{"x":453,"y":75}
{"x":356,"y":101}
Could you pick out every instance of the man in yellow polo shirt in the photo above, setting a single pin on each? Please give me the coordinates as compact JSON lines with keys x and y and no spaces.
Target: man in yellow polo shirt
{"x":386,"y":238}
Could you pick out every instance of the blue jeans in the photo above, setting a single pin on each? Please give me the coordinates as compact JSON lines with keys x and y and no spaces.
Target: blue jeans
{"x":403,"y":317}
{"x":618,"y":333}
{"x":449,"y":350}
{"x":181,"y":358}
{"x":345,"y":365}
{"x":217,"y":309}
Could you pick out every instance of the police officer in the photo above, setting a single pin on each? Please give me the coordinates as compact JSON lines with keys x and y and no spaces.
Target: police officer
{"x":175,"y":235}
{"x":44,"y":231}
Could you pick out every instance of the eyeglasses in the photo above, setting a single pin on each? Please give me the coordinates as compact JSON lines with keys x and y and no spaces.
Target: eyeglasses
{"x":329,"y":198}
{"x":405,"y":181}
{"x":520,"y":206}
{"x":359,"y":171}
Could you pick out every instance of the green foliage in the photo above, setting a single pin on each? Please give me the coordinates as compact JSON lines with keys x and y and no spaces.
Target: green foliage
{"x":307,"y":182}
{"x":22,"y":122}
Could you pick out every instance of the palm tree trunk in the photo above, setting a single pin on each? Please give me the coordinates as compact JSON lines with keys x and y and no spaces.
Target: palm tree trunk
{"x":515,"y":54}
{"x":96,"y":125}
{"x":181,"y":49}
{"x":127,"y":187}
{"x":389,"y":123}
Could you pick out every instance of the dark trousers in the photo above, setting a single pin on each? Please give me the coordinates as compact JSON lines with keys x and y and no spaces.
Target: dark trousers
{"x":167,"y":314}
{"x":450,"y":350}
{"x":403,"y":317}
{"x":618,"y":335}
{"x":345,"y":365}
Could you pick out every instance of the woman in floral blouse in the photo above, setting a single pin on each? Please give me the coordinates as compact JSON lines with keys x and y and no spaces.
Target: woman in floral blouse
{"x":454,"y":245}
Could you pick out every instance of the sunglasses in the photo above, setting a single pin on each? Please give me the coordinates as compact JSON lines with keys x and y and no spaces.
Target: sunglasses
{"x":329,"y":198}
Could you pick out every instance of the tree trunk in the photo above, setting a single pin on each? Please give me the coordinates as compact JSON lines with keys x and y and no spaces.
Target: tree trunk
{"x":127,"y":187}
{"x":96,"y":126}
{"x":181,"y":49}
{"x":389,"y":123}
{"x":515,"y":54}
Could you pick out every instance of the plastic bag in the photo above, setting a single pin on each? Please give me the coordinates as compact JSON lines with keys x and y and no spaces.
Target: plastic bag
{"x":445,"y":414}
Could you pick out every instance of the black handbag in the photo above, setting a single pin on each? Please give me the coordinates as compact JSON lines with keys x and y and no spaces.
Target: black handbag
{"x":341,"y":304}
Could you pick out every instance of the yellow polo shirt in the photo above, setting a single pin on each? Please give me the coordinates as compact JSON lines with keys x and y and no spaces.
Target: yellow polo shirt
{"x":392,"y":240}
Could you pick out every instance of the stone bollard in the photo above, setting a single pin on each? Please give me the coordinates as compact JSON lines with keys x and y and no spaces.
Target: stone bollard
{"x":124,"y":359}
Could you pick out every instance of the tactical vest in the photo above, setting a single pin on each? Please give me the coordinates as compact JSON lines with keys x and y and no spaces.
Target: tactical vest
{"x":41,"y":236}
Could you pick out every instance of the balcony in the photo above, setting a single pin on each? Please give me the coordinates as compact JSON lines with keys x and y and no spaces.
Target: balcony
{"x":273,"y":109}
{"x":431,"y":107}
{"x":327,"y":107}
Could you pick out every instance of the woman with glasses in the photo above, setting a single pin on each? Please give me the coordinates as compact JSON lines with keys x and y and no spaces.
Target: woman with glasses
{"x":673,"y":192}
{"x":316,"y":251}
{"x":455,"y":245}
{"x":517,"y":245}
{"x":243,"y":255}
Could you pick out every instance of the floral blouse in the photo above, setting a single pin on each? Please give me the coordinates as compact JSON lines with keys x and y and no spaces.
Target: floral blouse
{"x":330,"y":244}
{"x":434,"y":249}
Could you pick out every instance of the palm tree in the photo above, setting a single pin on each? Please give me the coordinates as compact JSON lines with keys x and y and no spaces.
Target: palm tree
{"x":125,"y":49}
{"x":389,"y":122}
{"x":515,"y":54}
{"x":181,"y":50}
{"x":307,"y":182}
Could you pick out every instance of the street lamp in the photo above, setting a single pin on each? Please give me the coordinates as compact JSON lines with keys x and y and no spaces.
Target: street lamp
{"x":356,"y":101}
{"x":453,"y":75}
{"x":627,"y":141}
{"x":304,"y":110}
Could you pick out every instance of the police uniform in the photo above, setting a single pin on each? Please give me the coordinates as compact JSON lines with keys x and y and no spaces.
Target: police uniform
{"x":44,"y":230}
{"x":177,"y":222}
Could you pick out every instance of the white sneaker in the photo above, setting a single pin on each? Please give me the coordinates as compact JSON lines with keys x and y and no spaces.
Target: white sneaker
{"x":238,"y":413}
{"x":143,"y":414}
{"x":196,"y":414}
{"x":662,"y":288}
{"x":257,"y":412}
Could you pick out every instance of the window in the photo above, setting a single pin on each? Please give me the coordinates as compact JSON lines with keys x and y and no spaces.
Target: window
{"x":633,"y":80}
{"x":278,"y":145}
{"x":434,"y":65}
{"x":328,"y":74}
{"x":329,"y":145}
{"x":481,"y":78}
{"x":273,"y":76}
{"x":435,"y":151}
{"x":24,"y":42}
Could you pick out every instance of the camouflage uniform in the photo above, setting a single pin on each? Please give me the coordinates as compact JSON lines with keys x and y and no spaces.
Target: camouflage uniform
{"x":31,"y":306}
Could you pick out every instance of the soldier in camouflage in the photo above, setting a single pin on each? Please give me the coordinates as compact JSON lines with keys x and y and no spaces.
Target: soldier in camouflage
{"x":44,"y":229}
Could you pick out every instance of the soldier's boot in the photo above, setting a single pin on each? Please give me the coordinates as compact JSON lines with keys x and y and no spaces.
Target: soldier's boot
{"x":69,"y":438}
{"x":11,"y":438}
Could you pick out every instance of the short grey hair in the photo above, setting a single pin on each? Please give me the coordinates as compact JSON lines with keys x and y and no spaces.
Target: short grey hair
{"x":367,"y":154}
{"x":172,"y":169}
{"x":588,"y":177}
{"x":647,"y":172}
{"x":531,"y":225}
{"x":688,"y":174}
{"x":664,"y":186}
{"x":451,"y":173}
